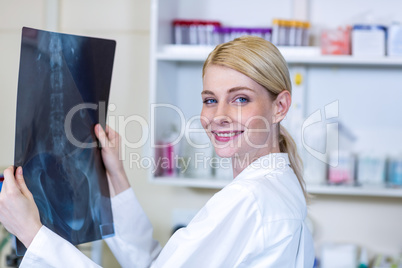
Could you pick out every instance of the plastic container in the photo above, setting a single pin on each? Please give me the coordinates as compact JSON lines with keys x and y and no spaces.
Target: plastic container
{"x":166,"y":153}
{"x":290,"y":32}
{"x":225,"y":33}
{"x":368,"y":40}
{"x":299,"y":31}
{"x":267,"y":34}
{"x":306,"y":34}
{"x":371,"y":169}
{"x":238,"y":31}
{"x":194,"y":32}
{"x":394,"y":44}
{"x":395,"y":171}
{"x":210,"y":32}
{"x":276,"y":28}
{"x":286,"y":28}
{"x":180,"y":32}
{"x":343,"y":172}
{"x":335,"y":41}
{"x":293,"y":25}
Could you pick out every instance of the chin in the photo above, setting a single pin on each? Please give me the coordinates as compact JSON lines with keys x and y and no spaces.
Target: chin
{"x":225,"y":153}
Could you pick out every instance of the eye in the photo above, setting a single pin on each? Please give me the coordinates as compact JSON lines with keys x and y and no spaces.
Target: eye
{"x":209,"y":101}
{"x":241,"y":100}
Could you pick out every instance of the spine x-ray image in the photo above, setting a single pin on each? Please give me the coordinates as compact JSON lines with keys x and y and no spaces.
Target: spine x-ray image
{"x":63,"y":91}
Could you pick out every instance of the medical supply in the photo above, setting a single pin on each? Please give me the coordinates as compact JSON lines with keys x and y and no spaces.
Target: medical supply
{"x":368,"y":40}
{"x":276,"y":31}
{"x":180,"y":32}
{"x":306,"y":33}
{"x":339,"y":255}
{"x":371,"y":169}
{"x":194,"y":32}
{"x":222,"y":35}
{"x":226,"y":34}
{"x":290,"y":32}
{"x":394,"y":44}
{"x":382,"y":261}
{"x":395,"y":171}
{"x":297,"y":33}
{"x":335,"y":41}
{"x":341,"y":167}
{"x":211,"y":33}
{"x":363,"y":263}
{"x":166,"y":153}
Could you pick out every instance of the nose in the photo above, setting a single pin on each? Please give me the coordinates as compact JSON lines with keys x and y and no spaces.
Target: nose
{"x":222,"y":120}
{"x":222,"y":115}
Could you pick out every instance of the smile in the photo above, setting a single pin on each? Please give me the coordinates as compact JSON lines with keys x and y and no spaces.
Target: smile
{"x":226,"y":135}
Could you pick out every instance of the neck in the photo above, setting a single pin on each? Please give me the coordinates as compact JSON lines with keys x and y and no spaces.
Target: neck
{"x":240,"y":162}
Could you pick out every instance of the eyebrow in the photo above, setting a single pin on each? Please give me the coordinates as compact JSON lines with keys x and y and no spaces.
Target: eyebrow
{"x":233,"y":89}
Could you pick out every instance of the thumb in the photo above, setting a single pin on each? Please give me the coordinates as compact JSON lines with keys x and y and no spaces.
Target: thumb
{"x":21,"y":182}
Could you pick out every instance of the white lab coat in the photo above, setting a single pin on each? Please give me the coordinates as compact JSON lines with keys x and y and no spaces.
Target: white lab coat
{"x":255,"y":221}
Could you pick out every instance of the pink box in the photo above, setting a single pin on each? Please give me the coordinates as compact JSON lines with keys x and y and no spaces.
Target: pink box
{"x":336,"y":41}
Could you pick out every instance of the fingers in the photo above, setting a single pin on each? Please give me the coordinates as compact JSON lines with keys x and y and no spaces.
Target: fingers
{"x":112,"y":134}
{"x":9,"y":179}
{"x":107,"y":135}
{"x":101,"y":135}
{"x":21,"y":182}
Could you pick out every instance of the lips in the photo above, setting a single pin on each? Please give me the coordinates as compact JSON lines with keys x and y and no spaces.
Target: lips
{"x":225,"y":136}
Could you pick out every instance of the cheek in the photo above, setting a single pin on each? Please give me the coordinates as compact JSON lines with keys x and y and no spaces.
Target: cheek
{"x":258,"y":116}
{"x":260,"y":121}
{"x":204,"y":118}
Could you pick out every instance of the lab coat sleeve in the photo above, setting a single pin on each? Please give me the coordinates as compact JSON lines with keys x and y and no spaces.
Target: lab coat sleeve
{"x":132,"y":245}
{"x":50,"y":250}
{"x":224,"y":232}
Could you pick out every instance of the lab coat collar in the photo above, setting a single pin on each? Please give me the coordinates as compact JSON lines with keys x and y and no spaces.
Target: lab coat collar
{"x":266,"y":164}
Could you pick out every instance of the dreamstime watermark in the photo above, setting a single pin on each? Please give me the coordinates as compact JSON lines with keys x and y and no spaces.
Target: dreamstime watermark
{"x":149,"y":134}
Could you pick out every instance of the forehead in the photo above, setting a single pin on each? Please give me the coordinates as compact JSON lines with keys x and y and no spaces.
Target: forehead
{"x":220,"y":79}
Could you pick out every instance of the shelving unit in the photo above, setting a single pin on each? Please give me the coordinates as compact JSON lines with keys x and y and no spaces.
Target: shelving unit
{"x":293,"y":55}
{"x":176,"y":68}
{"x":212,"y":183}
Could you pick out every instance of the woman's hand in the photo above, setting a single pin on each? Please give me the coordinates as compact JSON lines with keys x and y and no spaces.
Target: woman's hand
{"x":18,"y":211}
{"x":110,"y":142}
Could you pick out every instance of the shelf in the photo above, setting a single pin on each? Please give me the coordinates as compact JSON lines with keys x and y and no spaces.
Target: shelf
{"x":191,"y":182}
{"x":293,"y":55}
{"x":379,"y":191}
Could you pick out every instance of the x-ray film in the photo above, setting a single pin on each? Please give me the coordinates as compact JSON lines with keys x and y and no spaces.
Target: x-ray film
{"x":63,"y":91}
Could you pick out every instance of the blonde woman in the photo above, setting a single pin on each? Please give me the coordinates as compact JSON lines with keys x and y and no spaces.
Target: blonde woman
{"x":255,"y":221}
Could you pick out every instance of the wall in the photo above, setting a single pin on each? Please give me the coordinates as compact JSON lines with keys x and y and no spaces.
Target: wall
{"x":372,"y":222}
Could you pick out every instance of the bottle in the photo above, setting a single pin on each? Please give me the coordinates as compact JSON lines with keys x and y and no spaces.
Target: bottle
{"x":166,"y":153}
{"x":306,"y":34}
{"x":276,"y":29}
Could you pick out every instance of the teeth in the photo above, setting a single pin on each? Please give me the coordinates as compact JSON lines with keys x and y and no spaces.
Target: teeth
{"x":226,"y":134}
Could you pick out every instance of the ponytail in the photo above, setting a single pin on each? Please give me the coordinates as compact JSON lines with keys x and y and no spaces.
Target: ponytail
{"x":288,"y":145}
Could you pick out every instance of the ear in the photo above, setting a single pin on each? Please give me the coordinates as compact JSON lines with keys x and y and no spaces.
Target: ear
{"x":281,"y":106}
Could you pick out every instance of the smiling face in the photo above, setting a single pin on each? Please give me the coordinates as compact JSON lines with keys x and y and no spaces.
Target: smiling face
{"x":238,"y":114}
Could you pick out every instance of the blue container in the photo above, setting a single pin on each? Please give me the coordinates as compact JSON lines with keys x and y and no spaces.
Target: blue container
{"x":395,"y":172}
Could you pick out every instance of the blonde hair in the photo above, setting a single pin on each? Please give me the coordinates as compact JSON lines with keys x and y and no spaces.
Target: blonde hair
{"x":261,"y":61}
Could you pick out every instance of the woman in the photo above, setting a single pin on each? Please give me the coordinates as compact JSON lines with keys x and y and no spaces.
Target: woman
{"x":255,"y":221}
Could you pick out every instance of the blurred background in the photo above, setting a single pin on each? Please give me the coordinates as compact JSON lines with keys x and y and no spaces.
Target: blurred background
{"x":367,"y":92}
